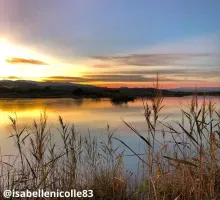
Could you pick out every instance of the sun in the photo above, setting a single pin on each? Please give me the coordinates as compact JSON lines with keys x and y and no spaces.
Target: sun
{"x":4,"y":50}
{"x":10,"y":49}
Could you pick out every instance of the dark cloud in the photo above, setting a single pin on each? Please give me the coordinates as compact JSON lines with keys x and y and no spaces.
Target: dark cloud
{"x":110,"y":78}
{"x":119,"y":78}
{"x":65,"y":79}
{"x":169,"y":72}
{"x":16,"y":60}
{"x":102,"y":66}
{"x":154,"y":59}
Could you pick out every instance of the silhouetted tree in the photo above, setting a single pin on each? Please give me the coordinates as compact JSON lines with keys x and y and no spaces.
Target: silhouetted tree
{"x":47,"y":89}
{"x":78,"y":92}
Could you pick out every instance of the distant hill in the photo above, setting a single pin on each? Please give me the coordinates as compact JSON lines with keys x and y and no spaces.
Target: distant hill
{"x":26,"y":84}
{"x":199,"y":89}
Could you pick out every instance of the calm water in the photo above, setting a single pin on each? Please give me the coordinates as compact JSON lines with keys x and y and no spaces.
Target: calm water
{"x":85,"y":115}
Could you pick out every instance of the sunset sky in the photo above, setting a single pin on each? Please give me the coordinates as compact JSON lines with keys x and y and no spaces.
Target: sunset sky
{"x":111,"y":43}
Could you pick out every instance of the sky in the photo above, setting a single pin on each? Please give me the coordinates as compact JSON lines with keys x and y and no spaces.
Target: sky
{"x":111,"y":43}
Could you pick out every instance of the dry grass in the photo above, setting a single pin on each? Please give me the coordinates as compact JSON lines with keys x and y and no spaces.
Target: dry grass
{"x":183,"y":168}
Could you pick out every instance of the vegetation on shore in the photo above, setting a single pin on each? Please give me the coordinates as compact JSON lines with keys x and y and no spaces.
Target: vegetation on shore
{"x":185,"y":167}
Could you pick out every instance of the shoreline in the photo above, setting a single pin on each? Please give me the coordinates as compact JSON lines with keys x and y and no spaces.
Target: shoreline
{"x":129,"y":99}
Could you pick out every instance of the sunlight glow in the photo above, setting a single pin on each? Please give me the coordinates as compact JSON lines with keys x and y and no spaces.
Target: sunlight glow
{"x":52,"y":67}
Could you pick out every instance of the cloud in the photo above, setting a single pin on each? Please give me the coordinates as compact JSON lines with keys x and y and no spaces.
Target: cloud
{"x":168,"y":72}
{"x":112,"y":78}
{"x":102,"y":66}
{"x":119,"y":78}
{"x":161,"y":59}
{"x":65,"y":79}
{"x":16,"y":60}
{"x":10,"y":77}
{"x":13,"y":77}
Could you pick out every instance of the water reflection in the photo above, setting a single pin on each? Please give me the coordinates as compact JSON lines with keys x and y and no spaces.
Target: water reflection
{"x":119,"y":104}
{"x":78,"y":102}
{"x":87,"y":114}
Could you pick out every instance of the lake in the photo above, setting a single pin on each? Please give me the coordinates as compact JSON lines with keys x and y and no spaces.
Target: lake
{"x":88,"y":116}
